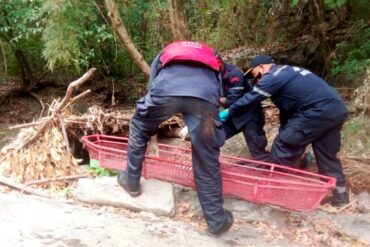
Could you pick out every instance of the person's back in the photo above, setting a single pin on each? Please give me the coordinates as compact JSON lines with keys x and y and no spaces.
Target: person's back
{"x":304,"y":93}
{"x":177,"y":79}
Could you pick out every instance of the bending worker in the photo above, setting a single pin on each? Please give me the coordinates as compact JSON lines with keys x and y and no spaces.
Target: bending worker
{"x":184,"y":79}
{"x":310,"y":112}
{"x":250,"y":122}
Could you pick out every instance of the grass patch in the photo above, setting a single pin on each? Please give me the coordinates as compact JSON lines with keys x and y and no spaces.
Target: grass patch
{"x":356,"y":136}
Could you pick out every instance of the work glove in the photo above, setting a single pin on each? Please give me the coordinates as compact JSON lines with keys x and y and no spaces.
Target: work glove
{"x":224,"y":115}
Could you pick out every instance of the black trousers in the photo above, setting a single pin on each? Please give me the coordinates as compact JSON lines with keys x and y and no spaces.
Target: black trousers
{"x":323,"y":134}
{"x":254,"y":136}
{"x":206,"y":135}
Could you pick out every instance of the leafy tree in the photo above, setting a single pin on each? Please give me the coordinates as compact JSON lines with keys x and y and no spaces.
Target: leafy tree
{"x":20,"y":29}
{"x":75,"y":35}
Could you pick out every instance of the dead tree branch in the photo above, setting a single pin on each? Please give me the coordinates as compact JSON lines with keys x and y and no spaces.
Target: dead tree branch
{"x":21,"y":187}
{"x":51,"y":180}
{"x":124,"y":36}
{"x":61,"y":105}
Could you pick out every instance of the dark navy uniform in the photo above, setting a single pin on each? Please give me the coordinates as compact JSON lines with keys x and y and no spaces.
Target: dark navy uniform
{"x":310,"y":112}
{"x":251,"y":122}
{"x":193,"y":90}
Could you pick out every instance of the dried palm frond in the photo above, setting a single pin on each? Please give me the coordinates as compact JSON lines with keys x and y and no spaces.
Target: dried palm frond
{"x":46,"y":158}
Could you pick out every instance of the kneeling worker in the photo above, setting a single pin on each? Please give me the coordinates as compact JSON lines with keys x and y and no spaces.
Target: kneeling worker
{"x":310,"y":112}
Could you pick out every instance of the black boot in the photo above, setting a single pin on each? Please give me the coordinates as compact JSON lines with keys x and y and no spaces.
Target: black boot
{"x":133,"y":189}
{"x":339,"y":199}
{"x":225,"y":227}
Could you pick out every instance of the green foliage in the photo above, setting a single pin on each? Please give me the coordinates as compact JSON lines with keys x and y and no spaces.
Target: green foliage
{"x":19,"y":21}
{"x":332,"y":4}
{"x":294,"y":3}
{"x":78,"y":34}
{"x":70,"y":26}
{"x":356,"y":135}
{"x":20,"y":30}
{"x":227,"y":24}
{"x":99,"y":171}
{"x":353,"y":56}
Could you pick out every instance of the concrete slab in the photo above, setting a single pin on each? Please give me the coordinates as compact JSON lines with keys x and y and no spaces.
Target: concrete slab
{"x":157,"y":196}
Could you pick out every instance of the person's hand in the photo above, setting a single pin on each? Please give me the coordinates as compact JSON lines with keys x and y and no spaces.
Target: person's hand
{"x":224,"y":115}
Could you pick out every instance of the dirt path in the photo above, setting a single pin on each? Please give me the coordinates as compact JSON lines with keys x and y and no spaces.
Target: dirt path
{"x":33,"y":221}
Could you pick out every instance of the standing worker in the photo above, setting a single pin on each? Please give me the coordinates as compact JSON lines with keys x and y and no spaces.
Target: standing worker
{"x":184,"y":79}
{"x":310,"y":112}
{"x":250,"y":122}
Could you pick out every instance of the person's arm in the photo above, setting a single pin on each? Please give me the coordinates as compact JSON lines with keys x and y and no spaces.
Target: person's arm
{"x":232,"y":85}
{"x":236,"y":88}
{"x":267,"y":86}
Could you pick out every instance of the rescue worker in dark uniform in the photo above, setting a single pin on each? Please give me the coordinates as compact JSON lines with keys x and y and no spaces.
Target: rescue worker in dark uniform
{"x":250,"y":122}
{"x":184,"y":79}
{"x":310,"y":112}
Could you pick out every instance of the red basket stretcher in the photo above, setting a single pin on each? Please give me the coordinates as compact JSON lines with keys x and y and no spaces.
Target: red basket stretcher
{"x":251,"y":180}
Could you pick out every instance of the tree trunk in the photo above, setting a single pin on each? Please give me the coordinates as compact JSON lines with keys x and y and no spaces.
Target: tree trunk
{"x":320,"y":33}
{"x":177,"y":19}
{"x":27,"y":77}
{"x":124,"y":36}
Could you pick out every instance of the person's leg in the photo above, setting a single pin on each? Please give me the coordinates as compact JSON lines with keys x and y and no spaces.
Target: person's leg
{"x":324,"y":134}
{"x":325,"y":149}
{"x":288,"y":146}
{"x":207,"y":136}
{"x":256,"y":140}
{"x":150,"y":112}
{"x":229,"y":129}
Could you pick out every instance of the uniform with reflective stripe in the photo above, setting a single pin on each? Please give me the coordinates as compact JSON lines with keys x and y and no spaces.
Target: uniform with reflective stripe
{"x":310,"y":112}
{"x":250,"y":122}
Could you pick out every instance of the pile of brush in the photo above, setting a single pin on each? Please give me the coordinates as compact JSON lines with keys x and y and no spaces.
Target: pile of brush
{"x":41,"y":151}
{"x":46,"y":158}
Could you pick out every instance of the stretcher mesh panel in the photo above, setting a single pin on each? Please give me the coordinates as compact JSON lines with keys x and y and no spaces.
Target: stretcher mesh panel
{"x":251,"y":180}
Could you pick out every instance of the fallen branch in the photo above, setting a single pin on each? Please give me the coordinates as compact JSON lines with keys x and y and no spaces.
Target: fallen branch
{"x":21,"y":187}
{"x":20,"y":126}
{"x":74,"y":99}
{"x":51,"y":180}
{"x":60,"y":106}
{"x":81,"y":120}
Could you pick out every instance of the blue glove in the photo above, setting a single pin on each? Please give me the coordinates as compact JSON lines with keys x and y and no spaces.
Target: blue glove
{"x":224,"y":115}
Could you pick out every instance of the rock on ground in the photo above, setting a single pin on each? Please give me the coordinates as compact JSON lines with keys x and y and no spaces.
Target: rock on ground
{"x":157,"y":196}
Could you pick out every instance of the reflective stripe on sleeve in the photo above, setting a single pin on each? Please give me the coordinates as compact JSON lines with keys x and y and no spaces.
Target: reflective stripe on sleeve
{"x":257,"y":90}
{"x":237,"y":88}
{"x":279,"y":70}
